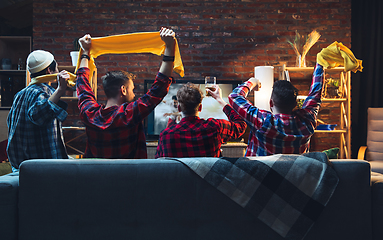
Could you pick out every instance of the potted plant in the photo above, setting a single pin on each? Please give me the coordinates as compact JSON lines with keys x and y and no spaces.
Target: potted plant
{"x":331,"y":88}
{"x":301,"y":50}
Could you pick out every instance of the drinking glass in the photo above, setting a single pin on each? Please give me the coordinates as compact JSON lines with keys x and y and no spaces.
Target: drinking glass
{"x":209,"y":84}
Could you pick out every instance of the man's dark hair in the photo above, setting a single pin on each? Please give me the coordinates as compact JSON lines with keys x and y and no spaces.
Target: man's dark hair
{"x":189,"y":97}
{"x":52,"y":67}
{"x":112,"y":82}
{"x":284,"y":96}
{"x":174,"y":97}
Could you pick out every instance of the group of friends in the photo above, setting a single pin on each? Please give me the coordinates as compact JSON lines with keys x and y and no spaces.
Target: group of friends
{"x":115,"y":130}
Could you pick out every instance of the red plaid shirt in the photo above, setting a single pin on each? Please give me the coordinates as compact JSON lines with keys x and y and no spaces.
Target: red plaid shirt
{"x":195,"y":137}
{"x":279,"y":133}
{"x":117,"y":131}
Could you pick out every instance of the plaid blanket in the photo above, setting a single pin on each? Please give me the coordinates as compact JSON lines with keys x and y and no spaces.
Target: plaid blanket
{"x":286,"y":192}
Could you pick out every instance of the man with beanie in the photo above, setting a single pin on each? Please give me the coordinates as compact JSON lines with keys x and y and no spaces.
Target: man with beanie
{"x":34,"y":121}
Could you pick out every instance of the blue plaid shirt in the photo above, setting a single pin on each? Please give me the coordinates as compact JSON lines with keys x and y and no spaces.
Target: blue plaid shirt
{"x":34,"y":126}
{"x":279,"y":133}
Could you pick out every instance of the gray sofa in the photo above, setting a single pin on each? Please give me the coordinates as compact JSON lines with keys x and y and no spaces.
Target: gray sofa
{"x":163,"y":199}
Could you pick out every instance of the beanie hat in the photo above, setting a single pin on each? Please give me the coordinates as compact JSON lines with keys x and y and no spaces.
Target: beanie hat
{"x":38,"y":60}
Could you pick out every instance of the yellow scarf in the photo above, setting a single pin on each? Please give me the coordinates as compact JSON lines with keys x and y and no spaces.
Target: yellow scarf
{"x":146,"y":42}
{"x":52,"y":77}
{"x":337,"y":54}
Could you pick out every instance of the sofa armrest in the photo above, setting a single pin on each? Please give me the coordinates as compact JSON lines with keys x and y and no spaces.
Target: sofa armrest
{"x":377,"y":205}
{"x":9,"y":185}
{"x":362,"y":153}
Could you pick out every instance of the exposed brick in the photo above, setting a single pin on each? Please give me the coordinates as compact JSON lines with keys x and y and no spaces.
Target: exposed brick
{"x":243,"y":69}
{"x":288,"y":10}
{"x":199,"y":22}
{"x":232,"y":75}
{"x":228,"y":37}
{"x":266,"y":22}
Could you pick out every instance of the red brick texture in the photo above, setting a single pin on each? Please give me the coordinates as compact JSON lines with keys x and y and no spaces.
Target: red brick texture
{"x":225,"y":38}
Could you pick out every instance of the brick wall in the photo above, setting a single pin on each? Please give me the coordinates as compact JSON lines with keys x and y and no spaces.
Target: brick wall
{"x":225,"y":38}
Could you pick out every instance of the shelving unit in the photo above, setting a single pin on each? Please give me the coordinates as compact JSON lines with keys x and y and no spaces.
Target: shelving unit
{"x":344,"y":126}
{"x":12,"y":80}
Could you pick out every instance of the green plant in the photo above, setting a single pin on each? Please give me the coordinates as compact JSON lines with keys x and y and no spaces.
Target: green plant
{"x":333,"y":82}
{"x":76,"y":45}
{"x":331,"y":88}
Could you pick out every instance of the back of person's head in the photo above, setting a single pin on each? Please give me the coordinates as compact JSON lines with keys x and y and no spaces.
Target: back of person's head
{"x":189,"y":98}
{"x":39,"y":61}
{"x":284,"y":96}
{"x":112,"y":82}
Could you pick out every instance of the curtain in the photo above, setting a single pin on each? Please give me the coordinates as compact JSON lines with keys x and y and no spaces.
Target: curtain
{"x":366,"y":86}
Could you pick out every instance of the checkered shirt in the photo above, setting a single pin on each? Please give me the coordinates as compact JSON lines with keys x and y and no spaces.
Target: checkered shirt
{"x":279,"y":133}
{"x":34,"y":126}
{"x":117,"y":131}
{"x":195,"y":137}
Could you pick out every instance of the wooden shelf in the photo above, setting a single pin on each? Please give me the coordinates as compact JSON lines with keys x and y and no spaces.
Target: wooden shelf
{"x":13,"y":72}
{"x":331,"y":131}
{"x":344,"y":105}
{"x":13,"y":80}
{"x":67,"y":68}
{"x":69,"y":98}
{"x":334,"y":99}
{"x":310,"y":69}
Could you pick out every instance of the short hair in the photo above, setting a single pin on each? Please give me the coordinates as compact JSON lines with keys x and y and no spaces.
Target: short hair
{"x":189,"y":98}
{"x":174,"y":97}
{"x":284,"y":95}
{"x":112,"y":82}
{"x":51,"y":66}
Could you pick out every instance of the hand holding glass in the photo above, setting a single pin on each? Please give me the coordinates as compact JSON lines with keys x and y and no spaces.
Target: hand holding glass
{"x":209,"y":84}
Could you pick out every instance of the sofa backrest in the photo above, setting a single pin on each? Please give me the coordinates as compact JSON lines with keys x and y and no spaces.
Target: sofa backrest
{"x":163,"y":199}
{"x":374,"y":134}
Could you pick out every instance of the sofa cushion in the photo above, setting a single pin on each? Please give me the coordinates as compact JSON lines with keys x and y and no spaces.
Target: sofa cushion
{"x":9,"y":206}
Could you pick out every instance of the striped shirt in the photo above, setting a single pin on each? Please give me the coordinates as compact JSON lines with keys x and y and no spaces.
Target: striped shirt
{"x":279,"y":133}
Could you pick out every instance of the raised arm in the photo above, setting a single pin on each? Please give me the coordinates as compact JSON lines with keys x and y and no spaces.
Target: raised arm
{"x":313,"y":100}
{"x":244,"y":107}
{"x":85,"y":43}
{"x":236,"y":126}
{"x":168,"y":36}
{"x":143,"y":106}
{"x":217,"y":95}
{"x":85,"y":93}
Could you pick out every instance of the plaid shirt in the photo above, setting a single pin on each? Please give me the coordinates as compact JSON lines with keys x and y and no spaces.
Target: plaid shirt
{"x":117,"y":131}
{"x":195,"y":137}
{"x":279,"y":133}
{"x":34,"y":126}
